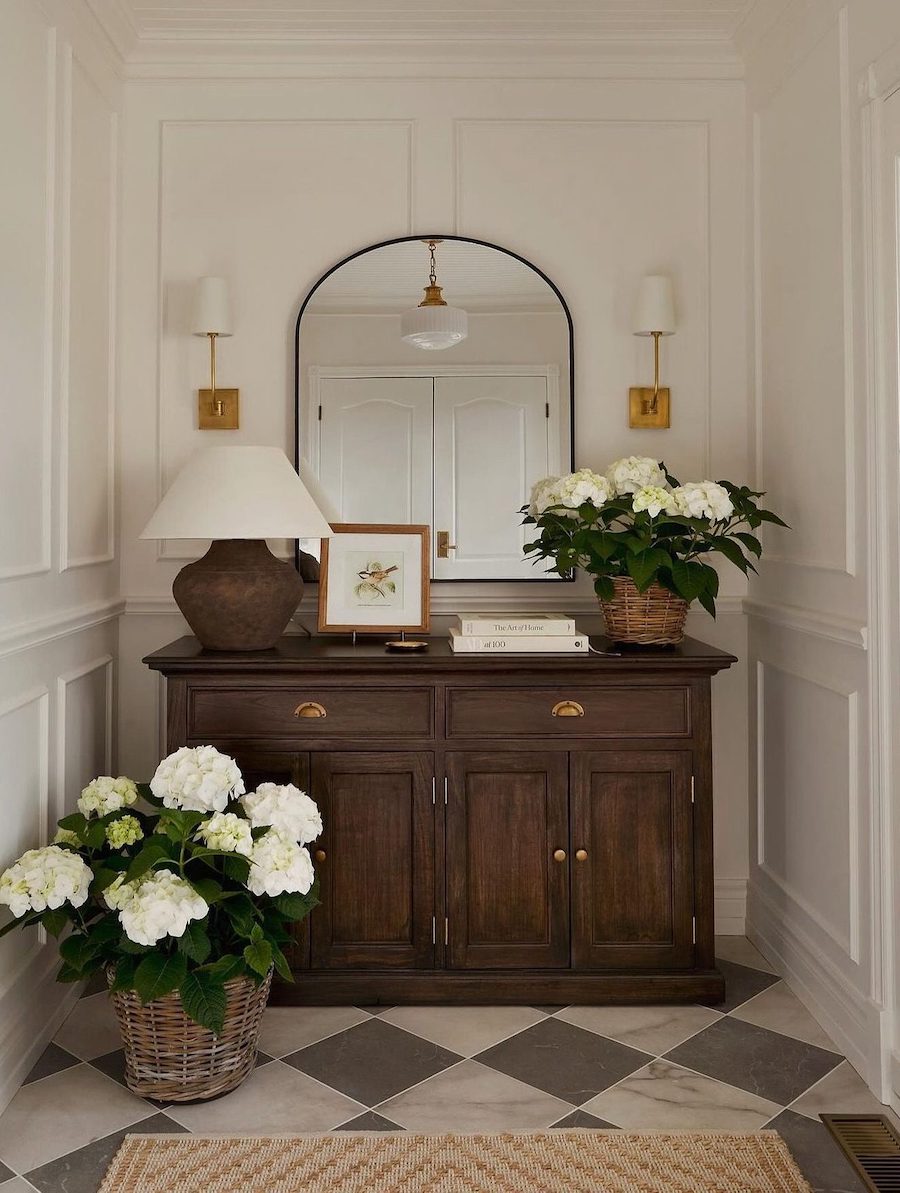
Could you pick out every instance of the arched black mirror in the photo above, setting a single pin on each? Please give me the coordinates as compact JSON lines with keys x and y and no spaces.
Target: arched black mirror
{"x":434,"y":385}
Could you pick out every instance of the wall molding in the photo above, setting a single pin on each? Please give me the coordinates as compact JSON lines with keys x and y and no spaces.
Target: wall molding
{"x":29,"y":635}
{"x":102,"y":662}
{"x":731,"y":906}
{"x":812,"y":622}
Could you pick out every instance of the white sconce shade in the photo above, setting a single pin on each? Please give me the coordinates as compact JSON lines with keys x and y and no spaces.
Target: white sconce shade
{"x":212,"y":308}
{"x":237,"y":493}
{"x":434,"y":327}
{"x":654,"y":310}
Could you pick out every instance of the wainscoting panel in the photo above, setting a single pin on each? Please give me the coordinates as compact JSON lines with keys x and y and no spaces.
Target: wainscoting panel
{"x":84,"y":738}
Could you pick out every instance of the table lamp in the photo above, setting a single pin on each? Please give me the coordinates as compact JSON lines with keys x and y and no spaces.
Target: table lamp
{"x":238,"y":596}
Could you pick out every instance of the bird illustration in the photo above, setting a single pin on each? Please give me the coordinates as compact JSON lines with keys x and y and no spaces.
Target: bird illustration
{"x":375,"y":581}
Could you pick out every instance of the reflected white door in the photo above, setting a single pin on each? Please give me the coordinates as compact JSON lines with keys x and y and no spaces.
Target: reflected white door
{"x":375,"y":447}
{"x":491,"y":444}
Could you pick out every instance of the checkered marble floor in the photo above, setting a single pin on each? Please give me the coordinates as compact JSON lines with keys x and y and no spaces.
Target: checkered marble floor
{"x":759,"y":1060}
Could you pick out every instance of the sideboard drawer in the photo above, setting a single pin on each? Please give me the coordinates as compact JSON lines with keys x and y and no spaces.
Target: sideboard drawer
{"x":575,"y":711}
{"x":310,"y":712}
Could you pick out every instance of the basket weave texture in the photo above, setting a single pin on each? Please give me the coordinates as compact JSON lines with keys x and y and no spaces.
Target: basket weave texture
{"x":654,"y":617}
{"x":171,"y":1058}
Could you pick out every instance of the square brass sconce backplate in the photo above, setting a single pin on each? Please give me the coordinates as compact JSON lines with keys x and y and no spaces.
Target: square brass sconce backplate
{"x":640,"y":407}
{"x":208,"y":419}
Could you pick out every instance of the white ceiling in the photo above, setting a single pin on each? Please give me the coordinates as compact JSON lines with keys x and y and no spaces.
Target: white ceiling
{"x":473,"y":276}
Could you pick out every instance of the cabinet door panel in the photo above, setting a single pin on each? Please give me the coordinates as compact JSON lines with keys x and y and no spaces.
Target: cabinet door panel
{"x":377,"y":879}
{"x":508,"y":901}
{"x":632,"y":901}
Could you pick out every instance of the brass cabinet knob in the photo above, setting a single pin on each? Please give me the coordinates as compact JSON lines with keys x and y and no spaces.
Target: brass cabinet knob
{"x":559,"y":855}
{"x":320,"y":855}
{"x":567,"y":708}
{"x":580,"y":855}
{"x":310,"y":708}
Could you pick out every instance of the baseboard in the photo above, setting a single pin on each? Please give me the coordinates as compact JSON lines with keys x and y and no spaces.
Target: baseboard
{"x":847,"y":1014}
{"x":731,"y":906}
{"x":39,"y":1007}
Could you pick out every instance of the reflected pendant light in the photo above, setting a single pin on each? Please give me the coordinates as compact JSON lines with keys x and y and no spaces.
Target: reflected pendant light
{"x":433,"y":324}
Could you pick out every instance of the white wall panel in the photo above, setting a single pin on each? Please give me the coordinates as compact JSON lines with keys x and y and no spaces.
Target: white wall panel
{"x":84,"y":728}
{"x":87,"y":486}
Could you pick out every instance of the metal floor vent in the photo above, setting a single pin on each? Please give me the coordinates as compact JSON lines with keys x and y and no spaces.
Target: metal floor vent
{"x":872,"y":1146}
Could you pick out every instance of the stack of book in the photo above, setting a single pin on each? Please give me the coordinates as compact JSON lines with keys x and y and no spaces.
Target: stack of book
{"x":502,"y":633}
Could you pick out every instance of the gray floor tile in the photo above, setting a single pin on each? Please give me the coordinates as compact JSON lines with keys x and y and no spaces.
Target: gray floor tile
{"x":113,"y":1065}
{"x":740,"y":950}
{"x":780,"y":1010}
{"x":818,"y":1157}
{"x":741,"y":983}
{"x":370,"y":1121}
{"x":372,"y":1061}
{"x":18,"y":1184}
{"x":564,"y":1060}
{"x":82,"y":1171}
{"x":52,"y":1060}
{"x":770,"y":1065}
{"x":6,"y":1174}
{"x":91,"y":1029}
{"x":581,"y":1118}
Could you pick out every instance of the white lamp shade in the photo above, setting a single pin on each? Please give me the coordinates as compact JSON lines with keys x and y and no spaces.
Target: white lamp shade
{"x":212,"y":307}
{"x":434,"y":327}
{"x":654,"y":309}
{"x":237,"y":493}
{"x":320,"y":497}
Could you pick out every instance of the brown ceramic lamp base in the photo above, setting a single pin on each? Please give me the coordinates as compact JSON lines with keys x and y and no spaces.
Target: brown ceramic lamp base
{"x":238,"y":596}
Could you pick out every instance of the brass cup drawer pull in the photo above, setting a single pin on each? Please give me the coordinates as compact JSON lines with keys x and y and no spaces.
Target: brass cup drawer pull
{"x":559,"y":855}
{"x":310,"y":708}
{"x":567,"y":708}
{"x":580,"y":855}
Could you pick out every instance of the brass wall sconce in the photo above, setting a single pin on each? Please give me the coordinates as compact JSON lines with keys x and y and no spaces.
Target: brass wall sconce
{"x":654,"y":315}
{"x":217,"y":408}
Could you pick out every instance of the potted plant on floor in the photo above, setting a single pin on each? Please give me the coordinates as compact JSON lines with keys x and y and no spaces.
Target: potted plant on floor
{"x":646,"y":539}
{"x":185,"y":903}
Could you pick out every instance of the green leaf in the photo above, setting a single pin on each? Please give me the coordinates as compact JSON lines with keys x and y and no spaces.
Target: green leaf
{"x":126,"y":945}
{"x":123,"y":976}
{"x":643,"y":567}
{"x":732,"y":553}
{"x":66,"y":973}
{"x":54,"y":920}
{"x":103,"y":877}
{"x":76,"y":950}
{"x":689,"y":579}
{"x":226,"y":967}
{"x":158,"y":975}
{"x":203,"y":998}
{"x":768,"y":516}
{"x":258,"y":955}
{"x":750,"y":541}
{"x":194,"y":942}
{"x":281,"y":964}
{"x":207,"y":888}
{"x":604,"y":588}
{"x":146,"y":794}
{"x":144,"y":861}
{"x":236,"y":867}
{"x":708,"y":603}
{"x":242,"y":914}
{"x":296,"y":907}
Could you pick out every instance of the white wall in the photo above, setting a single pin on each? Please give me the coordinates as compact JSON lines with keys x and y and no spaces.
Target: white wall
{"x":817,"y":869}
{"x":270,"y":181}
{"x":59,"y":575}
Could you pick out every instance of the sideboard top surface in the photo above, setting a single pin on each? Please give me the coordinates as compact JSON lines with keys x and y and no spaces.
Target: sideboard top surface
{"x":320,"y":654}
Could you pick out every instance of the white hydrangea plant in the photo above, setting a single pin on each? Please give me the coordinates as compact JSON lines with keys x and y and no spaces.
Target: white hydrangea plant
{"x":634,"y":520}
{"x":177,"y":885}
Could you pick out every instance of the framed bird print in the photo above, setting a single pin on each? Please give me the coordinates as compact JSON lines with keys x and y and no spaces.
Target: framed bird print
{"x":374,"y":579}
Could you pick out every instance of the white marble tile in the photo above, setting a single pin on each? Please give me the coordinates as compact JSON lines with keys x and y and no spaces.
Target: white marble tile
{"x":663,"y":1096}
{"x":842,"y":1091}
{"x":464,"y":1030}
{"x":471,"y":1097}
{"x":275,"y":1099}
{"x":65,"y":1111}
{"x":739,"y":950}
{"x":779,"y":1010}
{"x":649,"y":1029}
{"x":92,"y":1028}
{"x":285,"y":1029}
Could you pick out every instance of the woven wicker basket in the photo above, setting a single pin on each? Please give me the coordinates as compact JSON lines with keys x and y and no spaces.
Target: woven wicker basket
{"x":655,"y":617}
{"x":171,"y":1058}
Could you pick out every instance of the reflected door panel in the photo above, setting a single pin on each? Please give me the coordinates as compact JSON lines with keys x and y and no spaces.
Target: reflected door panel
{"x":375,"y":447}
{"x":491,"y":440}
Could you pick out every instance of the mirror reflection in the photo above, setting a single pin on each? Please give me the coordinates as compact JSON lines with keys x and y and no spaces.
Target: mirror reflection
{"x":434,"y":386}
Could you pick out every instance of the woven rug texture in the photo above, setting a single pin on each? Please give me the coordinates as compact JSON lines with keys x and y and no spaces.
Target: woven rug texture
{"x":575,"y":1161}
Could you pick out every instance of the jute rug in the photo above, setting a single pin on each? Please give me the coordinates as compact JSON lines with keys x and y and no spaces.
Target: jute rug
{"x":545,"y":1162}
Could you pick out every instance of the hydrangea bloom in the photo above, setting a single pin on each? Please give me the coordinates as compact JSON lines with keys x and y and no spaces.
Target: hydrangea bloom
{"x":278,"y":866}
{"x":226,"y":831}
{"x":570,"y":491}
{"x":106,"y":795}
{"x":197,"y":780}
{"x":635,"y":472}
{"x":286,"y":808}
{"x":65,"y":836}
{"x":654,"y":500}
{"x":159,"y":904}
{"x":43,"y":878}
{"x":543,"y":495}
{"x":124,"y":831}
{"x":704,"y":499}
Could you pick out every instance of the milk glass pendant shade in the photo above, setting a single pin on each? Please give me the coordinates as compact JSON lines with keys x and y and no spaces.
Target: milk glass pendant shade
{"x":212,"y":308}
{"x":654,"y":309}
{"x":433,"y":324}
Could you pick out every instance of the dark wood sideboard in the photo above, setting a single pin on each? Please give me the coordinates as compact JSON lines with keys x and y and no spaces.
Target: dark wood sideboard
{"x":506,"y":828}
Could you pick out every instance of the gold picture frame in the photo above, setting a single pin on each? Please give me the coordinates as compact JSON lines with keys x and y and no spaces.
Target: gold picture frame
{"x":375,"y":579}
